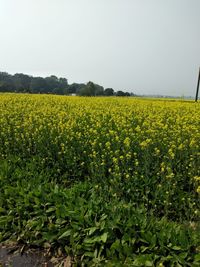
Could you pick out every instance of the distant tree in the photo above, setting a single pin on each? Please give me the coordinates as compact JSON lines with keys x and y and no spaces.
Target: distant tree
{"x":120,"y":93}
{"x":99,"y":90}
{"x":59,"y":91}
{"x":75,"y":88}
{"x":127,"y":94}
{"x":51,"y":83}
{"x":56,"y":85}
{"x":132,"y":94}
{"x":21,"y":82}
{"x":92,"y":89}
{"x":108,"y":92}
{"x":88,"y":90}
{"x":6,"y":82}
{"x":6,"y":86}
{"x":38,"y":85}
{"x":4,"y":76}
{"x":63,"y":83}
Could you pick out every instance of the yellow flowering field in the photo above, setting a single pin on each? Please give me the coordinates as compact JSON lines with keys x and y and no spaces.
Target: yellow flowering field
{"x":137,"y":152}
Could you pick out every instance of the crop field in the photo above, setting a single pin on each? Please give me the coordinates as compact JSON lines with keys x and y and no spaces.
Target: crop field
{"x":105,"y":181}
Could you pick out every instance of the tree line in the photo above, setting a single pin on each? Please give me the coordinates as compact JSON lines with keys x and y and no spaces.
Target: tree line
{"x":23,"y":83}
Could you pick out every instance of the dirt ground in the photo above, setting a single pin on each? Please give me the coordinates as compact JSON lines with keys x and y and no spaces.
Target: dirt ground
{"x":32,"y":258}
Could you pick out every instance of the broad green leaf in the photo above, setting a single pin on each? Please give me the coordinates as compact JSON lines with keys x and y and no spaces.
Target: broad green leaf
{"x":148,"y":263}
{"x":92,"y":230}
{"x":65,"y":234}
{"x":104,"y":237}
{"x":176,"y":248}
{"x":197,"y":257}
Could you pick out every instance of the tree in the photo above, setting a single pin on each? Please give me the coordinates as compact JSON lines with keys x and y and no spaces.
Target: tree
{"x":75,"y":88}
{"x":120,"y":93}
{"x":108,"y":92}
{"x":92,"y":89}
{"x":132,"y":94}
{"x":6,"y":82}
{"x":127,"y":94}
{"x":63,"y":83}
{"x":99,"y":90}
{"x":88,"y":90}
{"x":51,"y":83}
{"x":59,"y":91}
{"x":22,"y":82}
{"x":38,"y":85}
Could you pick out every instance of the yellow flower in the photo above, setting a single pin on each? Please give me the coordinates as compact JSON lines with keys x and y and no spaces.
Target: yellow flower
{"x":180,"y":147}
{"x":127,"y":142}
{"x":171,"y":153}
{"x":197,"y":178}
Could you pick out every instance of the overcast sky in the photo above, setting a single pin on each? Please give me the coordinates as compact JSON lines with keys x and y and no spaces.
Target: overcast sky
{"x":143,"y":46}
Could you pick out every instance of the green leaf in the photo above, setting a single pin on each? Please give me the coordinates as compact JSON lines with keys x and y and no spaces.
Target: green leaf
{"x":50,"y":210}
{"x":148,"y":263}
{"x":104,"y":237}
{"x":89,"y":254}
{"x":92,"y":240}
{"x":197,"y":257}
{"x":92,"y":230}
{"x":176,"y":248}
{"x":116,"y":245}
{"x":143,"y":249}
{"x":2,"y":209}
{"x":65,"y":234}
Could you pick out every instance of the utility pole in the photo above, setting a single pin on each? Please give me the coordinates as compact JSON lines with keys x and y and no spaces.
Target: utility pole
{"x":197,"y":92}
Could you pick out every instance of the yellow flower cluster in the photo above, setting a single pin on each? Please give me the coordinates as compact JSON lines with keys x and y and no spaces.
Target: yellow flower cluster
{"x":101,"y":137}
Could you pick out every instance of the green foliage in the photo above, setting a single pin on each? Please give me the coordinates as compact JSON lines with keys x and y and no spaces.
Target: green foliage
{"x":108,"y":92}
{"x":102,"y":187}
{"x":91,"y":89}
{"x":121,"y":93}
{"x":22,"y":83}
{"x":88,"y":221}
{"x":81,"y":221}
{"x":28,"y":84}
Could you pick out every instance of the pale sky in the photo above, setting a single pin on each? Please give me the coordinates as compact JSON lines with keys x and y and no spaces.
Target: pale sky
{"x":143,"y":46}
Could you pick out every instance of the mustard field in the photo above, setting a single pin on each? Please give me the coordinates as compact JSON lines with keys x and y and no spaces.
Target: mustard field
{"x":106,"y":181}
